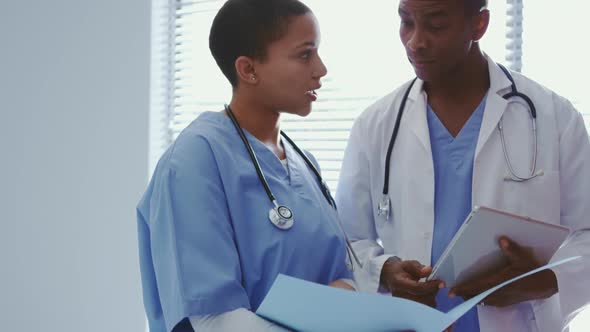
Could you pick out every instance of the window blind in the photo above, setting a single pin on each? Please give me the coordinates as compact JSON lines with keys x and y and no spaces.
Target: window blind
{"x":360,"y":47}
{"x":555,"y":53}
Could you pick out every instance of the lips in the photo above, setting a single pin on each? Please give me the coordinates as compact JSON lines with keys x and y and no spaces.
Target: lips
{"x":420,"y":62}
{"x":312,"y":94}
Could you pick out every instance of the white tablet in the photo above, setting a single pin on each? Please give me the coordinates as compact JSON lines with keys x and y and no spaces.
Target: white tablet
{"x":475,"y":249}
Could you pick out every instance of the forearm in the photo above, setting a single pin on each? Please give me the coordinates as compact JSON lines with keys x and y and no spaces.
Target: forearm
{"x":373,"y":258}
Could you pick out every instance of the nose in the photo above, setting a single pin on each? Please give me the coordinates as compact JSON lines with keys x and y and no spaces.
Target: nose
{"x":320,"y":70}
{"x":417,"y":41}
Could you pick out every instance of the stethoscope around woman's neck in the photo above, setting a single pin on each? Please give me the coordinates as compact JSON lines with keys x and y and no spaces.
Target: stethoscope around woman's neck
{"x":280,"y":215}
{"x":384,"y":205}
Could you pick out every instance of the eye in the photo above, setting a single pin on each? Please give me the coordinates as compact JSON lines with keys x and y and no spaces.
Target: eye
{"x":437,"y":25}
{"x":305,"y":54}
{"x":406,"y":23}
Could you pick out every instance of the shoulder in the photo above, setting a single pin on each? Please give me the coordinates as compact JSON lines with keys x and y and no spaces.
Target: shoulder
{"x":540,"y":94}
{"x":195,"y":148}
{"x":548,"y":103}
{"x":379,"y":115}
{"x":313,"y":159}
{"x":190,"y":165}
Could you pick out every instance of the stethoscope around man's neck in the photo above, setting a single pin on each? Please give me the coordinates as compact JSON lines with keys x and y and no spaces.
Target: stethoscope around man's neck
{"x":280,"y":215}
{"x":384,"y":205}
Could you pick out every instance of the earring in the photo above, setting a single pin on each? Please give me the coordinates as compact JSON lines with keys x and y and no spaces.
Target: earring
{"x":253,"y":78}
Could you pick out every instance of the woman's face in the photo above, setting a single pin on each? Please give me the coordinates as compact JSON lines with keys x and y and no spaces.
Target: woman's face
{"x":289,"y":76}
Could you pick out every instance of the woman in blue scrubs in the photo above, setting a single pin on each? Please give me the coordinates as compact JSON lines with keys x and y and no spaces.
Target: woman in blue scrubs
{"x":208,"y":250}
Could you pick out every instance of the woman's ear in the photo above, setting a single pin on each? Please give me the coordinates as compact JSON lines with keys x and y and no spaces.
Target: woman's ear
{"x":246,"y":73}
{"x":480,"y":24}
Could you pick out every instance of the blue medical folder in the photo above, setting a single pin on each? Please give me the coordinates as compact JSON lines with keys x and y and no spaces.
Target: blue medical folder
{"x":305,"y":306}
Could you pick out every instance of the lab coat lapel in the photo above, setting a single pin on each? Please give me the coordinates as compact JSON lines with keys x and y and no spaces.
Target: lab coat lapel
{"x":415,"y":115}
{"x":495,"y":104}
{"x":421,"y":193}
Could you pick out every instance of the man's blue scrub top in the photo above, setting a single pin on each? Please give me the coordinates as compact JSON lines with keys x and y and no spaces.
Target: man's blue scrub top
{"x":453,"y":173}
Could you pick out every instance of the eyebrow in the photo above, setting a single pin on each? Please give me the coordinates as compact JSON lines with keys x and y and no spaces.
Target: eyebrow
{"x":436,"y":14}
{"x":432,"y":14}
{"x":306,"y":44}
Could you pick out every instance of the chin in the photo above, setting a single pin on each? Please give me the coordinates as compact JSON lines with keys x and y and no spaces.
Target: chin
{"x":423,"y":75}
{"x":301,"y":110}
{"x":304,"y":111}
{"x":432,"y":78}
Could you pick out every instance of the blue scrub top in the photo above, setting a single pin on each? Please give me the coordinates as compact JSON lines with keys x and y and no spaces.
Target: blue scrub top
{"x":206,"y":244}
{"x":453,"y":173}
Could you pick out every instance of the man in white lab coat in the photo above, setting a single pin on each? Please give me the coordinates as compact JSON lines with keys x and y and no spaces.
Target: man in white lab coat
{"x":448,"y":156}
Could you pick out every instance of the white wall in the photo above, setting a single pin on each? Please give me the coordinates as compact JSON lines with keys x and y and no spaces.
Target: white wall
{"x":74,"y":99}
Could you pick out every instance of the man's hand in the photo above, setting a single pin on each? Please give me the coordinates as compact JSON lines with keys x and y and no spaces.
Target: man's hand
{"x":401,"y":278}
{"x":540,"y":285}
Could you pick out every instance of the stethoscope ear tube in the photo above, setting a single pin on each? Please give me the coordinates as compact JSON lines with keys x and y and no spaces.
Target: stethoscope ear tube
{"x":398,"y":120}
{"x":384,"y":206}
{"x":322,"y":184}
{"x":231,"y":115}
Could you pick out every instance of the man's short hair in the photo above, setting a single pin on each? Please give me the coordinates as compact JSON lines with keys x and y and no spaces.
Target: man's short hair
{"x":473,"y":7}
{"x":247,"y":28}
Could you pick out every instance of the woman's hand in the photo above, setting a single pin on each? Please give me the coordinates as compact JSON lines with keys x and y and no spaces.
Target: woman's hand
{"x":341,"y":284}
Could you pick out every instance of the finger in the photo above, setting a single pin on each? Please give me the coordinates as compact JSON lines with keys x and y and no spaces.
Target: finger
{"x":415,"y":287}
{"x":499,"y":299}
{"x":416,"y":270}
{"x":429,"y":300}
{"x":341,"y":284}
{"x":512,"y":250}
{"x":475,"y":287}
{"x":467,"y":289}
{"x":502,"y":297}
{"x":492,"y":300}
{"x":465,"y":294}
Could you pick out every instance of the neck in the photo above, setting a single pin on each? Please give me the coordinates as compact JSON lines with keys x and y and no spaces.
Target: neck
{"x":469,"y":80}
{"x":260,"y":121}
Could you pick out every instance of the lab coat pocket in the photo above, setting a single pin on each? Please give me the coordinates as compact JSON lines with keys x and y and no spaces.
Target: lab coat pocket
{"x":537,"y":198}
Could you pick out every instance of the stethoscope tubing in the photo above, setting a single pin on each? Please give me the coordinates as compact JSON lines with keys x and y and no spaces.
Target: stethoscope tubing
{"x":323,"y":187}
{"x":513,"y":176}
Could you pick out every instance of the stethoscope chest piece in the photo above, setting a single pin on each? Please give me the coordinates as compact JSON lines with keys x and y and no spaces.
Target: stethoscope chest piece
{"x":281,"y":216}
{"x":349,"y":265}
{"x":384,"y":207}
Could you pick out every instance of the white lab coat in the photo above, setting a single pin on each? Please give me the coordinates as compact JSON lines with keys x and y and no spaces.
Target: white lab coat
{"x":560,"y":196}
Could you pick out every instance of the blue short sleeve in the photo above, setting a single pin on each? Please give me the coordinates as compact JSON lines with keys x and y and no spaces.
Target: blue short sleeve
{"x":190,"y":265}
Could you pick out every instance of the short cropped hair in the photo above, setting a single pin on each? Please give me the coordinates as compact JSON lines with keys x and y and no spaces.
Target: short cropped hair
{"x":473,"y":7}
{"x":247,"y":28}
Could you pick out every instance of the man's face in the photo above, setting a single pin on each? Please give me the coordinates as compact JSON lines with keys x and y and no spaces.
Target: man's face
{"x":437,"y":36}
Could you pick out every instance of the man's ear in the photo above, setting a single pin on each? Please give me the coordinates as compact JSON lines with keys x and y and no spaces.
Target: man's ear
{"x":480,"y":24}
{"x":245,"y":69}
